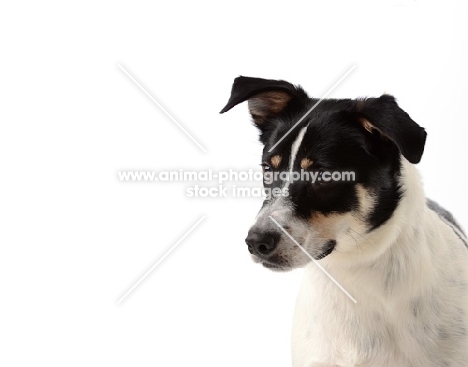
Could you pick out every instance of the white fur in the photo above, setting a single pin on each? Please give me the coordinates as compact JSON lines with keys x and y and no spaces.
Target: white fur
{"x":410,"y":279}
{"x":279,"y":208}
{"x":294,"y":149}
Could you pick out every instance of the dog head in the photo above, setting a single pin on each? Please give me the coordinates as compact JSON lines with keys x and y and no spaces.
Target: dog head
{"x":335,"y":166}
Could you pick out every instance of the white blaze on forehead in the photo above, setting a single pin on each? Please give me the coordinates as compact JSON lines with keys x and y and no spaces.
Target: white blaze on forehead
{"x":294,"y":149}
{"x":280,"y":207}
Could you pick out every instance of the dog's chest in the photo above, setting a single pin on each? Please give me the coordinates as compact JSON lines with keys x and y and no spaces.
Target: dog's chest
{"x":330,"y":330}
{"x":326,"y":329}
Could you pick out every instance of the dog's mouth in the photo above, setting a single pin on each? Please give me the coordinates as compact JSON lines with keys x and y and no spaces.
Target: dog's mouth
{"x":278,"y":263}
{"x":327,"y":249}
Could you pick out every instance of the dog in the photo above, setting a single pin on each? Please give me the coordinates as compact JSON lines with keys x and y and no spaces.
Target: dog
{"x":400,"y":256}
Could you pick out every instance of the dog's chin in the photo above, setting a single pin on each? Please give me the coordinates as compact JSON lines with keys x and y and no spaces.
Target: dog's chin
{"x":275,"y":267}
{"x":272,"y":265}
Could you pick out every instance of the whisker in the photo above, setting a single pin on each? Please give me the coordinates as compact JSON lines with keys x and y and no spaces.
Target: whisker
{"x":364,"y":238}
{"x":358,"y":246}
{"x":355,"y":240}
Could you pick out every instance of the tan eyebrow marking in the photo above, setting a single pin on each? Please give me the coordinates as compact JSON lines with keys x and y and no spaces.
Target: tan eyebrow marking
{"x":275,"y":161}
{"x":306,"y":163}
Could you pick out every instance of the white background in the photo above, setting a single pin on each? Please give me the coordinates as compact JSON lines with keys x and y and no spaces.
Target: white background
{"x":74,"y":239}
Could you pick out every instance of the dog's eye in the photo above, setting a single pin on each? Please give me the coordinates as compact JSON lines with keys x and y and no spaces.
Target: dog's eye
{"x":265,"y":167}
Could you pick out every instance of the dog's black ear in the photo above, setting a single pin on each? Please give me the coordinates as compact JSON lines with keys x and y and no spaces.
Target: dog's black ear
{"x":266,"y":97}
{"x":384,"y":115}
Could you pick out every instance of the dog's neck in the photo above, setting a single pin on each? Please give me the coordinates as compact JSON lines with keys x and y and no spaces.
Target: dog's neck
{"x":408,"y":215}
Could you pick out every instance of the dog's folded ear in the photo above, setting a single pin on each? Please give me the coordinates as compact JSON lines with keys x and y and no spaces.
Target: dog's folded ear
{"x":384,"y":115}
{"x":266,"y":97}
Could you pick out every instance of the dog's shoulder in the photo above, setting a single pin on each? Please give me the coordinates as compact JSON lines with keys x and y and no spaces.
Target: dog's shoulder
{"x":444,"y":214}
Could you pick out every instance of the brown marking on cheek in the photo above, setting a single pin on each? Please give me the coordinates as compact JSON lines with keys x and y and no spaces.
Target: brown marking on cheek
{"x":306,"y":163}
{"x":325,"y":225}
{"x":366,"y":200}
{"x":275,"y":161}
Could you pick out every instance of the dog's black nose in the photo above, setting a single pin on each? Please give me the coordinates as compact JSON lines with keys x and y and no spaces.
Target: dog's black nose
{"x":261,"y":242}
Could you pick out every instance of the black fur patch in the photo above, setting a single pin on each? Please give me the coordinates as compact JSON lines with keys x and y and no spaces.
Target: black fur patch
{"x":335,"y":141}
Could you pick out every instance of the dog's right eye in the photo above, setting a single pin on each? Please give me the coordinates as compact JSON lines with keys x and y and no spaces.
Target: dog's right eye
{"x":265,"y":167}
